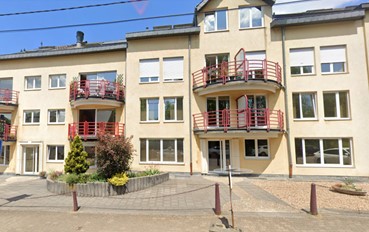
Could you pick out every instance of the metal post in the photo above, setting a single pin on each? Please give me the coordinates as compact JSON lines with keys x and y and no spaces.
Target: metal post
{"x":217,"y":210}
{"x":75,"y":203}
{"x":313,"y":202}
{"x":230,"y":192}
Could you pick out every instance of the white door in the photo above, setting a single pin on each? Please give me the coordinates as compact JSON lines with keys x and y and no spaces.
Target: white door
{"x":30,"y":160}
{"x":219,"y":155}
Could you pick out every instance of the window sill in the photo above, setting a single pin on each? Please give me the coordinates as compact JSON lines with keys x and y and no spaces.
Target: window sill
{"x":57,"y":88}
{"x":251,"y":28}
{"x":337,"y":119}
{"x":303,"y":75}
{"x":55,"y":161}
{"x":218,"y":31}
{"x":31,"y":124}
{"x":174,"y":81}
{"x":173,"y":121}
{"x":323,"y":166}
{"x":152,"y":82}
{"x":162,"y":163}
{"x":305,"y":119}
{"x":149,"y":122}
{"x":334,"y":73}
{"x":39,"y":89}
{"x":257,"y":158}
{"x":56,"y":124}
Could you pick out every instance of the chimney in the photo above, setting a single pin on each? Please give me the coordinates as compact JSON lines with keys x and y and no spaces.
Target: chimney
{"x":80,"y":37}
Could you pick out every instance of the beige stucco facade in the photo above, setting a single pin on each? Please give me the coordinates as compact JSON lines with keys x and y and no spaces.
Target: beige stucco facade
{"x":276,"y":141}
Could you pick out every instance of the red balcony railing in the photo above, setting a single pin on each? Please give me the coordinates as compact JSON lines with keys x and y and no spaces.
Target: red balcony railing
{"x":8,"y":132}
{"x":238,"y":70}
{"x":97,"y":89}
{"x":241,"y":119}
{"x":8,"y":96}
{"x":90,"y":130}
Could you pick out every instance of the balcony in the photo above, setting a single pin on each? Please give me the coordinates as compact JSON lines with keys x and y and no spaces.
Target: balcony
{"x":97,"y":93}
{"x":239,"y":121}
{"x":8,"y":132}
{"x":8,"y":99}
{"x":90,"y":130}
{"x":238,"y":75}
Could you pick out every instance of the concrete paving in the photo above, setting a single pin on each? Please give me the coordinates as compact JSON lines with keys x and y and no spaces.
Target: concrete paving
{"x":181,"y":204}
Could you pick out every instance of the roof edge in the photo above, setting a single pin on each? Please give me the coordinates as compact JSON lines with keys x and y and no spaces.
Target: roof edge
{"x":163,"y":33}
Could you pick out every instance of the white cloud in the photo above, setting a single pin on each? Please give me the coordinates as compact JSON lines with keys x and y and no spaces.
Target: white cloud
{"x":308,"y":5}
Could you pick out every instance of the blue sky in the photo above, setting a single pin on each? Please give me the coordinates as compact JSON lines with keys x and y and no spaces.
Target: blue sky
{"x":15,"y":41}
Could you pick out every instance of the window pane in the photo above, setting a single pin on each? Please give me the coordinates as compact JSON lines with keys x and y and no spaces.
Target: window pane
{"x":52,"y":152}
{"x":60,"y":152}
{"x":326,"y":67}
{"x":331,"y":151}
{"x":346,"y":151}
{"x":169,"y":108}
{"x":144,"y":79}
{"x":36,"y":116}
{"x":38,"y":82}
{"x":62,"y":81}
{"x":250,"y":148}
{"x":295,"y":70}
{"x":168,"y":150}
{"x":154,"y":150}
{"x":54,"y":81}
{"x":330,"y":109}
{"x":153,"y":109}
{"x":263,"y":148}
{"x":298,"y":151}
{"x":308,"y":105}
{"x":143,"y":150}
{"x":296,"y":105}
{"x":209,"y":22}
{"x":339,"y":67}
{"x":343,"y":105}
{"x":256,"y":17}
{"x":180,"y":150}
{"x":52,"y":115}
{"x":28,"y":117}
{"x":244,"y":18}
{"x":221,"y":20}
{"x":179,"y":108}
{"x":61,"y":116}
{"x":143,"y":110}
{"x":307,"y":69}
{"x":312,"y":151}
{"x":29,"y":81}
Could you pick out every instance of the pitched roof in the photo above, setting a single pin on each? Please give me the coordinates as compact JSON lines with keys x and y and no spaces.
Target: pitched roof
{"x":203,"y":3}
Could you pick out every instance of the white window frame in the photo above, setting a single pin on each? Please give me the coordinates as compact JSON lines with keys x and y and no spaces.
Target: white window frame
{"x":56,"y":160}
{"x":148,"y":111}
{"x":175,"y":109}
{"x":59,"y":76}
{"x":151,"y":79}
{"x":300,"y":108}
{"x":4,"y":150}
{"x":57,"y":116}
{"x":338,"y":105}
{"x":304,"y":64}
{"x":180,"y":72}
{"x":32,"y":117}
{"x":251,"y":17}
{"x":321,"y":148}
{"x":161,"y":151}
{"x":334,"y":61}
{"x":33,"y":83}
{"x":256,"y":150}
{"x":215,"y":13}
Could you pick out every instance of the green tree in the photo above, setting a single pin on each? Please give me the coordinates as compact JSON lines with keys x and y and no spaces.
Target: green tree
{"x":76,"y":162}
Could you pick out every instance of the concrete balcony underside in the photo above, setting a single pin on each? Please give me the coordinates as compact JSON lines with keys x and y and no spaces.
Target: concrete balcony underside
{"x":238,"y":133}
{"x":95,"y":102}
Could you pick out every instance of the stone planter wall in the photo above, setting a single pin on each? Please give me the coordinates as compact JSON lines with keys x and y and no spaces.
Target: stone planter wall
{"x":99,"y":189}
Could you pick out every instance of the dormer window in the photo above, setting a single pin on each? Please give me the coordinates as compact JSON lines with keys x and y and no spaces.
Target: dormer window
{"x":251,"y":17}
{"x":216,"y":21}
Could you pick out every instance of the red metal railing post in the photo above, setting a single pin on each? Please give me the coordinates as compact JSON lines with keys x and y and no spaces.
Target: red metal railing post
{"x":265,"y":69}
{"x":267,"y":118}
{"x":6,"y":132}
{"x":248,"y":121}
{"x":85,"y":130}
{"x":246,"y":70}
{"x":204,"y":76}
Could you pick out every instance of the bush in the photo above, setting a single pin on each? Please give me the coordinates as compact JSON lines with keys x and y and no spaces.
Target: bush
{"x":72,"y":178}
{"x":119,"y":179}
{"x":53,"y":175}
{"x":114,"y":155}
{"x":151,"y":171}
{"x":76,"y":161}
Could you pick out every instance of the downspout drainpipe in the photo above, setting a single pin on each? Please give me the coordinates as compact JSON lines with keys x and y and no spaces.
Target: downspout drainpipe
{"x":190,"y":100}
{"x":125,"y":93}
{"x":287,"y":134}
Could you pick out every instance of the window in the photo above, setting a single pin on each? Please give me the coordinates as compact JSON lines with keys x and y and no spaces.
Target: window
{"x":5,"y":155}
{"x":91,"y":155}
{"x":323,"y":151}
{"x":57,"y":81}
{"x":304,"y":106}
{"x":31,"y":117}
{"x":333,"y":59}
{"x":256,"y":148}
{"x":55,"y":153}
{"x":336,"y":105}
{"x":161,"y":150}
{"x":56,"y":116}
{"x":255,"y":67}
{"x":216,"y":21}
{"x":33,"y":82}
{"x":173,"y":69}
{"x":150,"y":109}
{"x":149,"y":70}
{"x":302,"y":61}
{"x":251,"y":17}
{"x":173,"y":109}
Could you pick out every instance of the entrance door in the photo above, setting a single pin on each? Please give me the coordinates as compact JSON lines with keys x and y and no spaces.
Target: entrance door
{"x":30,"y":162}
{"x":219,"y":155}
{"x":88,"y":116}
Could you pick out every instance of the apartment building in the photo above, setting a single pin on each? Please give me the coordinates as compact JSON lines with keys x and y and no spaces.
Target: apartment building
{"x":267,"y":94}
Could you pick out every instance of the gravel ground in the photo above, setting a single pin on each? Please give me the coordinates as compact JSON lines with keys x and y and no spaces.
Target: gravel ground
{"x":297,"y":194}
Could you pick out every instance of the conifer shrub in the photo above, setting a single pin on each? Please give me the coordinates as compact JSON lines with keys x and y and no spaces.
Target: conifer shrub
{"x":114,"y":155}
{"x":76,"y":161}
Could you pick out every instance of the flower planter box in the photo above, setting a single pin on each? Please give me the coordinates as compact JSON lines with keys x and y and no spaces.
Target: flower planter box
{"x":104,"y":189}
{"x":338,"y":188}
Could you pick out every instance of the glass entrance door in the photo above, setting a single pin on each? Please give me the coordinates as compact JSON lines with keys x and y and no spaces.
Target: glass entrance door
{"x":219,"y":155}
{"x":31,"y":162}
